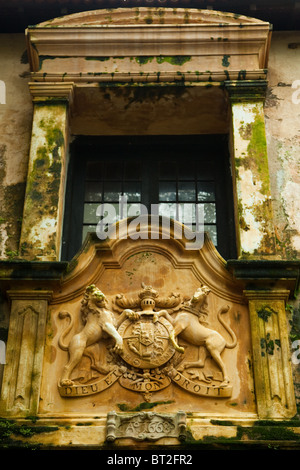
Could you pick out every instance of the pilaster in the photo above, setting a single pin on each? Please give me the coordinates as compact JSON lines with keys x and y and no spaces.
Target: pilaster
{"x":43,"y":207}
{"x":275,"y":397}
{"x":253,"y":204}
{"x":25,"y":352}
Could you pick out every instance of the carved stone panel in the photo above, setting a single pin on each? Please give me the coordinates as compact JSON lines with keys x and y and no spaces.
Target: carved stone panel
{"x":145,"y":356}
{"x":145,"y":426}
{"x":149,"y":324}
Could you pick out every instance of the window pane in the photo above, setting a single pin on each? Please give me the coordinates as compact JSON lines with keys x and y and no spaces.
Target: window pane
{"x":108,"y":212}
{"x":167,"y":210}
{"x":112,"y":191}
{"x":133,"y":210}
{"x":95,"y":170}
{"x":186,"y":191}
{"x":132,"y":170}
{"x":89,"y":213}
{"x":86,"y":229}
{"x":210,"y":213}
{"x":168,"y":170}
{"x":212,"y":231}
{"x":93,"y":191}
{"x":187,"y":213}
{"x":114,"y":170}
{"x":192,"y":227}
{"x":133,"y":191}
{"x":167,"y":191}
{"x":206,"y":191}
{"x":186,"y":170}
{"x":206,"y":170}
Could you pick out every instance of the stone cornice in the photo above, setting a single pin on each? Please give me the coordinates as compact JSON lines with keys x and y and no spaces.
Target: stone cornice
{"x":207,"y":78}
{"x":51,"y":91}
{"x":246,"y":90}
{"x":266,"y":275}
{"x":29,"y":294}
{"x":127,"y":44}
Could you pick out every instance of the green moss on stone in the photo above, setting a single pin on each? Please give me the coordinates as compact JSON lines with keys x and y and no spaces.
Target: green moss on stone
{"x":173,"y":60}
{"x":225,"y":60}
{"x":44,"y":179}
{"x":142,"y":60}
{"x":265,"y":312}
{"x":142,"y":406}
{"x":99,"y":58}
{"x":257,"y":149}
{"x":10,"y":430}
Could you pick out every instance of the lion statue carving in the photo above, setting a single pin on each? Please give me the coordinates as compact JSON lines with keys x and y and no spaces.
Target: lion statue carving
{"x":187,"y":325}
{"x":99,"y":323}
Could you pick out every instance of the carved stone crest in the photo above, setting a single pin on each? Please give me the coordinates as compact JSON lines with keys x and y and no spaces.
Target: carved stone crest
{"x":145,"y":426}
{"x":146,"y":341}
{"x":136,"y":343}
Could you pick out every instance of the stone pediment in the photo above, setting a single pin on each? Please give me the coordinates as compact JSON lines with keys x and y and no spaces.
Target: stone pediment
{"x":148,"y":45}
{"x":166,"y":241}
{"x":155,"y":16}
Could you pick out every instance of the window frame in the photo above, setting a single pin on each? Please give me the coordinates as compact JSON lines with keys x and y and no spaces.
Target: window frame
{"x":86,"y":148}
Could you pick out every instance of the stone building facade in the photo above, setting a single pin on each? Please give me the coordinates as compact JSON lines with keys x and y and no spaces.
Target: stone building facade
{"x":150,"y":333}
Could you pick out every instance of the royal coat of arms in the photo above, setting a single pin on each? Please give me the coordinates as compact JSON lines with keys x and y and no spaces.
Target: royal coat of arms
{"x":135,"y":342}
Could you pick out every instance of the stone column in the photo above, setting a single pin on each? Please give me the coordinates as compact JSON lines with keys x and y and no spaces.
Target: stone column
{"x":274,"y":387}
{"x":255,"y":230}
{"x":25,"y":352}
{"x":44,"y":199}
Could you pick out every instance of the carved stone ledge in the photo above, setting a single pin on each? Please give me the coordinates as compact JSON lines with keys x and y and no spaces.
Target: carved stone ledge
{"x":146,"y":426}
{"x":246,"y":90}
{"x":51,"y":91}
{"x":266,"y":274}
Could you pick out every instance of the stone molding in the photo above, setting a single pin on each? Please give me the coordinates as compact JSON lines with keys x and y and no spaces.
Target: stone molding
{"x":50,"y":91}
{"x":246,"y":90}
{"x":284,"y":275}
{"x":69,"y":48}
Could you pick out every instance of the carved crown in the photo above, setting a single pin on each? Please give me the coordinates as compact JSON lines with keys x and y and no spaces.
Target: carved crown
{"x":148,"y":292}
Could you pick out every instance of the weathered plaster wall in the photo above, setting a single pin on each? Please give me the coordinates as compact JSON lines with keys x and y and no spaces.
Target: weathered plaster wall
{"x":15,"y":129}
{"x":282,"y":117}
{"x":283,"y":136}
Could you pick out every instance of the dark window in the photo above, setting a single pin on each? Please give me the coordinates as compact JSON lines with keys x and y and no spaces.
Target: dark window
{"x":180,"y":174}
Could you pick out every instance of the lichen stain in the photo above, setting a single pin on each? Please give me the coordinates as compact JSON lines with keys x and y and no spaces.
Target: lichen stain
{"x":43,"y":184}
{"x":12,"y":200}
{"x":225,"y":60}
{"x":257,"y":149}
{"x":255,"y":207}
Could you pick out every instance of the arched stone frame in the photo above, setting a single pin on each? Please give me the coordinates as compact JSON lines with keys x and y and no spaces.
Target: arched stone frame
{"x":60,"y":71}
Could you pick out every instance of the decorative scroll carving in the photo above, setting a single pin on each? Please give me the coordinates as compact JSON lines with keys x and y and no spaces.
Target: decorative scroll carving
{"x":146,"y":426}
{"x":139,"y":348}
